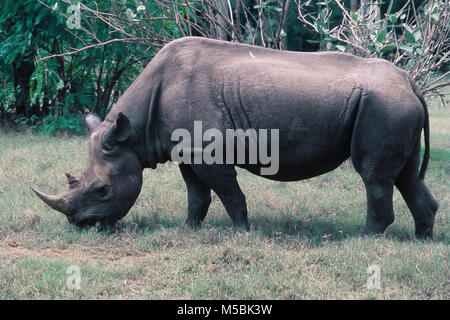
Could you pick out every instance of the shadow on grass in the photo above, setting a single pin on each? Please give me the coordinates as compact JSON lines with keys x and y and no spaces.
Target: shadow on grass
{"x":136,"y":224}
{"x":316,"y":231}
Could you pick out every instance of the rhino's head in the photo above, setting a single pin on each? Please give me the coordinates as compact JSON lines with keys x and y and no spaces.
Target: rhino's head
{"x":109,"y":185}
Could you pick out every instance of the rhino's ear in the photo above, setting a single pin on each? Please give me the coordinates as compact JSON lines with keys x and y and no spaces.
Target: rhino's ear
{"x":92,"y":121}
{"x":120,"y":131}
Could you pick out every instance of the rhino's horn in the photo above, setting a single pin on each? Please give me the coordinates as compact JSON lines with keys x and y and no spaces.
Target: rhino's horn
{"x":58,"y":202}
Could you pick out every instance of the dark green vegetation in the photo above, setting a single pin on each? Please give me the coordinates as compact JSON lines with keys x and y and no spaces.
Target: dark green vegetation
{"x":305,"y":240}
{"x":52,"y":95}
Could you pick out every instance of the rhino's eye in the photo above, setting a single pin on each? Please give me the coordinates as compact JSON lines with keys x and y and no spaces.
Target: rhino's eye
{"x":103,"y":192}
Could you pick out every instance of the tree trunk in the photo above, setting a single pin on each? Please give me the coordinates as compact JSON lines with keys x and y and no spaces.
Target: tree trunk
{"x":3,"y":113}
{"x":45,"y":105}
{"x":238,"y":17}
{"x":22,"y":75}
{"x":282,"y":32}
{"x":221,"y":27}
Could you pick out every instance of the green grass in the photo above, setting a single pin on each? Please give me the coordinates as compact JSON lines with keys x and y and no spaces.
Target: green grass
{"x":305,"y":241}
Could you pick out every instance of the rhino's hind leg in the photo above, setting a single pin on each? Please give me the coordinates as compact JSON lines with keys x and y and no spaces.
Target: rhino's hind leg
{"x":379,"y":151}
{"x":199,"y":197}
{"x":380,"y":212}
{"x":378,"y":169}
{"x":417,"y":196}
{"x":222,"y":179}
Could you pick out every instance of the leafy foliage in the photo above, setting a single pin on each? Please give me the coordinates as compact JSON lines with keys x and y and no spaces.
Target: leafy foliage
{"x":66,"y":123}
{"x":47,"y":94}
{"x":415,"y":39}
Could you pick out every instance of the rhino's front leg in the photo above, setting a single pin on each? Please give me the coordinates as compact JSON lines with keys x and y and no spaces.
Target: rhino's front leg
{"x":222,"y":179}
{"x":199,"y":197}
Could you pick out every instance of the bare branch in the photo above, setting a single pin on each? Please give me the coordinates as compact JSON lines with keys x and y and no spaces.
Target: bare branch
{"x":96,"y":45}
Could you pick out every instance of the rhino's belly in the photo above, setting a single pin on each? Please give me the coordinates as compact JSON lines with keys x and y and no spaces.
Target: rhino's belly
{"x":302,"y":163}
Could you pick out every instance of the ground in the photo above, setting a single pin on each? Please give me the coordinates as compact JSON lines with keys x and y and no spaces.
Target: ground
{"x":305,"y":240}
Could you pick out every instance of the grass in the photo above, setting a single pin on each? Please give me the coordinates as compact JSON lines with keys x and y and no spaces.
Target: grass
{"x":305,"y":241}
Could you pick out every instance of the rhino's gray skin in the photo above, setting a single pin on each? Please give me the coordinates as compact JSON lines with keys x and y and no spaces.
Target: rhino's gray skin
{"x":328,"y":107}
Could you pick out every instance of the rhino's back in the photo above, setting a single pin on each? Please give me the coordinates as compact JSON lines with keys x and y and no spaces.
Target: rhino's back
{"x":200,"y":74}
{"x":311,"y":98}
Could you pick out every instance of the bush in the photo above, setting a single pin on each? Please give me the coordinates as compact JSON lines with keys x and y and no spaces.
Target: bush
{"x":69,"y":123}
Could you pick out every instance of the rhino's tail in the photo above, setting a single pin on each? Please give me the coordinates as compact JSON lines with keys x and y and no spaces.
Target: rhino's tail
{"x":426,"y":130}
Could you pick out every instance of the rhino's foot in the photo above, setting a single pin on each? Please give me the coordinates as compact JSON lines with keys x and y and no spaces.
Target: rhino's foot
{"x":417,"y":196}
{"x":374,"y":226}
{"x":424,"y":231}
{"x":193,"y":224}
{"x":244,"y":226}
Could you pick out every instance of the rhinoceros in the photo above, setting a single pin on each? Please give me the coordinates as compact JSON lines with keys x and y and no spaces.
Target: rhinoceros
{"x":326,"y":106}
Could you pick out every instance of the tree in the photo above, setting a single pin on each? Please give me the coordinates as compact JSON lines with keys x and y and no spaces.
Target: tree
{"x":24,"y":26}
{"x":415,"y":39}
{"x":61,"y":89}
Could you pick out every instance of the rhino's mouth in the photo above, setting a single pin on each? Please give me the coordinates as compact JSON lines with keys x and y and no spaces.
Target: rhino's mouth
{"x":91,"y":220}
{"x":82,"y":222}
